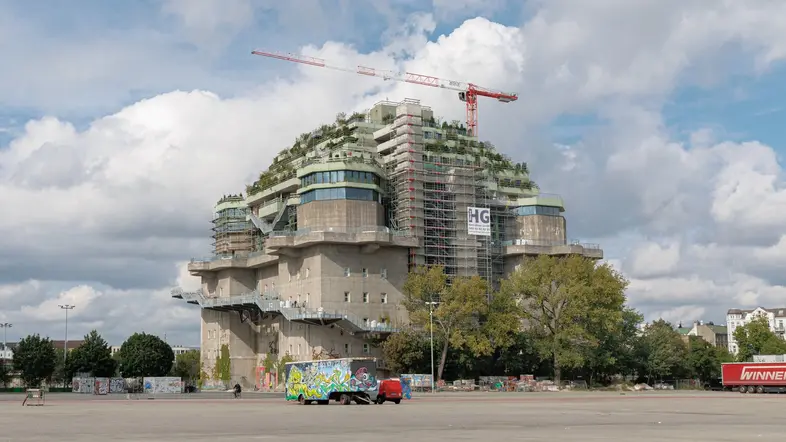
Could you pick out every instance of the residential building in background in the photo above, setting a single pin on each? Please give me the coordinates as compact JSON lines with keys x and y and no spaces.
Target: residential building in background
{"x":776,"y":317}
{"x":716,"y":335}
{"x":7,"y":351}
{"x":311,"y":261}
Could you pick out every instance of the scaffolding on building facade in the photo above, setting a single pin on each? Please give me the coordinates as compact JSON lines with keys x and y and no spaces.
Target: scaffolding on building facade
{"x":428,"y":195}
{"x":233,"y":233}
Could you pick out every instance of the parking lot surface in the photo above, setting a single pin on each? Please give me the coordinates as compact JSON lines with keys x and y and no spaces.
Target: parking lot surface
{"x":564,"y":416}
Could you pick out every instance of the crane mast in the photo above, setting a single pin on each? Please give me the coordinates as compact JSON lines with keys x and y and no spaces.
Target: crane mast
{"x":467,"y":92}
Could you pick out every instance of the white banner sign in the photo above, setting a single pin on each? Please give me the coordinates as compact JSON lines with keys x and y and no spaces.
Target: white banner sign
{"x":479,"y":221}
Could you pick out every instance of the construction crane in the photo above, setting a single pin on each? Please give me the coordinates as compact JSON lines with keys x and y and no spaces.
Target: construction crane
{"x":467,"y":92}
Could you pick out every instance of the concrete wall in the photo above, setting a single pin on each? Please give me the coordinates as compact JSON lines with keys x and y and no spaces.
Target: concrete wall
{"x":539,"y":228}
{"x":298,"y":278}
{"x":234,"y":282}
{"x":267,"y":278}
{"x":335,"y":283}
{"x":340,"y":214}
{"x":318,"y":278}
{"x":377,"y":113}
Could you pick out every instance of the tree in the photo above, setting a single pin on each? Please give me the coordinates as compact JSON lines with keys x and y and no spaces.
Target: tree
{"x":461,"y":318}
{"x":564,"y":301}
{"x":34,"y":357}
{"x":666,"y":352}
{"x":281,"y":367}
{"x":756,"y":338}
{"x":407,"y":351}
{"x":615,"y":352}
{"x":187,"y":366}
{"x":5,"y":374}
{"x":94,"y":356}
{"x":224,"y":364}
{"x":704,"y":359}
{"x":145,"y":355}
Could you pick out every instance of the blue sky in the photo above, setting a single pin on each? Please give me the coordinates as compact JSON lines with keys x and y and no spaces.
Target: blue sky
{"x":740,"y":107}
{"x":608,"y":91}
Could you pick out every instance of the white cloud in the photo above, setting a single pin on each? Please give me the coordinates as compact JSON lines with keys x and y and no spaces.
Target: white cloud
{"x":115,"y":205}
{"x":211,"y":22}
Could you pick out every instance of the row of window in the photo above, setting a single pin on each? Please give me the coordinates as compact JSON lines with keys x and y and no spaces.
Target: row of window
{"x":340,"y":176}
{"x":340,"y":193}
{"x":537,"y":210}
{"x":383,"y":273}
{"x":347,"y":350}
{"x":383,"y":298}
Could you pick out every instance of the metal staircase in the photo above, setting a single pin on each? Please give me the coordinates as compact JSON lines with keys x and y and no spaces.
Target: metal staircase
{"x":267,"y":303}
{"x":279,"y":223}
{"x":260,"y":224}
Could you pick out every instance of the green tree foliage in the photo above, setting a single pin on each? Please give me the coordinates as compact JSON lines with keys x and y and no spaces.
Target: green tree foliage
{"x":224,"y":364}
{"x":408,"y":352}
{"x":187,"y":366}
{"x":567,"y":302}
{"x":34,"y":357}
{"x":282,"y":362}
{"x":93,"y":356}
{"x":666,"y":351}
{"x":5,"y":374}
{"x":463,"y":317}
{"x":756,"y":338}
{"x":270,"y":362}
{"x":615,"y":352}
{"x":59,"y":376}
{"x":145,"y":355}
{"x":704,"y":359}
{"x":280,"y":367}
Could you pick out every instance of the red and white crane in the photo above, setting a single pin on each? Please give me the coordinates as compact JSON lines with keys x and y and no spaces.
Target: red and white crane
{"x":467,"y":92}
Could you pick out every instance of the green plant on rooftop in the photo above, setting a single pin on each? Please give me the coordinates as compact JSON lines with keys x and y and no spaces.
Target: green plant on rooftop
{"x":226,"y":198}
{"x":332,"y":137}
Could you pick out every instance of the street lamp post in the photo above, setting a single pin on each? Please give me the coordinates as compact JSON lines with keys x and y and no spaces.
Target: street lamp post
{"x":431,"y":339}
{"x":5,"y":326}
{"x":66,"y":307}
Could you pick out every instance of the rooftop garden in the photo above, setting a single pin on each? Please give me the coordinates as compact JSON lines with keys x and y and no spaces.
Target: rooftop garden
{"x":284,"y":165}
{"x":339,"y":133}
{"x":232,"y":198}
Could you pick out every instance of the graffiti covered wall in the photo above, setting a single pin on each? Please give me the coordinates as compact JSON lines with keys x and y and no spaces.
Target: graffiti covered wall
{"x":417,"y":381}
{"x":316,"y":380}
{"x":117,"y":385}
{"x":101,"y":386}
{"x":83,"y":385}
{"x":90,"y":385}
{"x":162,"y":385}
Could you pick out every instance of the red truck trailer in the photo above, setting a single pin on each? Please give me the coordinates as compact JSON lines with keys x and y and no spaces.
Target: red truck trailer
{"x":754,"y":377}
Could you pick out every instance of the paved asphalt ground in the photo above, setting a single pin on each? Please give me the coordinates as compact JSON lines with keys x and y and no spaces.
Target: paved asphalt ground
{"x":507,"y":417}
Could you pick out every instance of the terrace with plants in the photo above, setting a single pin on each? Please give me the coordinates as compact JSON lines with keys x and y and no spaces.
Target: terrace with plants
{"x":340,"y":141}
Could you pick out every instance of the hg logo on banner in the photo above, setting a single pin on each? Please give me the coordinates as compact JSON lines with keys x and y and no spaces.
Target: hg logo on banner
{"x":479,"y":221}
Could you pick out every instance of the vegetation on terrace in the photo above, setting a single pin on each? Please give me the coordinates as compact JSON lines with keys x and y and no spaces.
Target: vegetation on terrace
{"x":484,"y":154}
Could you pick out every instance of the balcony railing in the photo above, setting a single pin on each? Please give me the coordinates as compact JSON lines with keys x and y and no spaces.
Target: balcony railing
{"x":344,"y":230}
{"x":548,"y":243}
{"x":271,"y":301}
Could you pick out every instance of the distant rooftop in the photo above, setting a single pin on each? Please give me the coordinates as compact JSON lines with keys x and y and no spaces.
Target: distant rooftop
{"x":778,"y":311}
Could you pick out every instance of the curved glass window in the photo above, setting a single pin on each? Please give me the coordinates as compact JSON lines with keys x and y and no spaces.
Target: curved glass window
{"x":340,"y":176}
{"x":537,"y":210}
{"x":340,"y":193}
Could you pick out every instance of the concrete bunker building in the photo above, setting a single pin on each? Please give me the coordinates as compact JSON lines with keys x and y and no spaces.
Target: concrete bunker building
{"x":312,"y":260}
